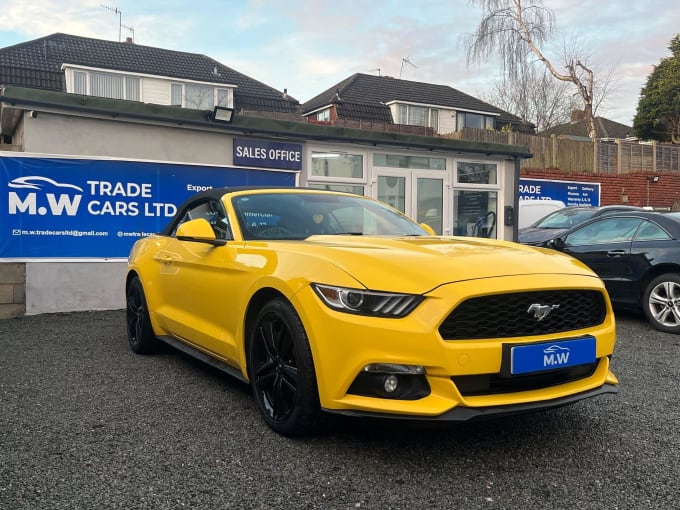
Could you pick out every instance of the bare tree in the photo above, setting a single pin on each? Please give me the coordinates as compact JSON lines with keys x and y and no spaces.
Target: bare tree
{"x":516,"y":29}
{"x":534,"y":96}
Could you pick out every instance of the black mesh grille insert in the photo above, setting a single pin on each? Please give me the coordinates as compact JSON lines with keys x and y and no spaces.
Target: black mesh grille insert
{"x":507,"y":315}
{"x":493,"y":384}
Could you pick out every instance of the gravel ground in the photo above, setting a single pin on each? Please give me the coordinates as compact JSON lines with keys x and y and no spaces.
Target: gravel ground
{"x":87,"y":424}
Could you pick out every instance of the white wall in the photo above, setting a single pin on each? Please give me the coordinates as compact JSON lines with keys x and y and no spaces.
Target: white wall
{"x":74,"y":286}
{"x":49,"y":133}
{"x":447,"y":121}
{"x":156,"y":91}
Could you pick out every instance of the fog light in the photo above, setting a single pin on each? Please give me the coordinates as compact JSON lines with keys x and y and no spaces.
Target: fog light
{"x":390,"y":383}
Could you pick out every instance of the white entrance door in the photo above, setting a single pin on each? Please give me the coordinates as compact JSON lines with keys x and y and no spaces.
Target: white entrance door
{"x":419,"y":194}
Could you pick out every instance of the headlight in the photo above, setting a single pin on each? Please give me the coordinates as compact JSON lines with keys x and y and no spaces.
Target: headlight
{"x":366,"y":302}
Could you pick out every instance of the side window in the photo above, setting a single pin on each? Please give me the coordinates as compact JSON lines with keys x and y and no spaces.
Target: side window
{"x":610,"y":230}
{"x":214,"y":213}
{"x":650,"y":231}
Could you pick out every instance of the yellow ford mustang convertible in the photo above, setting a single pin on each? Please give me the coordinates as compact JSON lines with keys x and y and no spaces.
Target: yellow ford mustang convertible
{"x":335,"y":303}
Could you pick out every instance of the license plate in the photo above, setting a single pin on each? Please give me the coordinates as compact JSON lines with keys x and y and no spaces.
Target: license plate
{"x":525,"y":359}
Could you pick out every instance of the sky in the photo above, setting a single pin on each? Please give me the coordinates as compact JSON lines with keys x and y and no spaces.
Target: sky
{"x":307,"y":46}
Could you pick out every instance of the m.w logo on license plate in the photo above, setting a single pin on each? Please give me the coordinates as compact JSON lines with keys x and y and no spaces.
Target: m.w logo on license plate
{"x":529,"y":358}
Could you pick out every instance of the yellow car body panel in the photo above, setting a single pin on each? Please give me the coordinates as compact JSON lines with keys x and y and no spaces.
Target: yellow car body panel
{"x":201,"y":293}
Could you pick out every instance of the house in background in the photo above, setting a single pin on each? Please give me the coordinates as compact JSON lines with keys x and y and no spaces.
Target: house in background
{"x":577,"y":129}
{"x":124,"y":70}
{"x":383,"y":99}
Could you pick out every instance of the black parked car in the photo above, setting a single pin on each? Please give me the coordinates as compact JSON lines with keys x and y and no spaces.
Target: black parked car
{"x":556,"y":223}
{"x":637,"y":255}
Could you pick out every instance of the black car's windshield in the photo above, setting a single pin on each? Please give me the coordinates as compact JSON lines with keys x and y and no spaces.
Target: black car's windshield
{"x":565,"y":218}
{"x":298,"y":215}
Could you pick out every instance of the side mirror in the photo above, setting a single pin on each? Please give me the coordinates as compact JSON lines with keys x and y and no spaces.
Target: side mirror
{"x":556,"y":244}
{"x":428,"y":229}
{"x":200,"y":231}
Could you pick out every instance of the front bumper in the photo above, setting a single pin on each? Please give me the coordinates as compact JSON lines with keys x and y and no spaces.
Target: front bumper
{"x":463,"y":414}
{"x":343,"y":344}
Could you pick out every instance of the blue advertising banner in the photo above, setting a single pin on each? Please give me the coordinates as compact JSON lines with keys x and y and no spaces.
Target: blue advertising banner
{"x":569,"y":192}
{"x":262,"y":153}
{"x":96,"y":208}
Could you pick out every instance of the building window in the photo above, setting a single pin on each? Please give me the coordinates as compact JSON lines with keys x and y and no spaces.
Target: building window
{"x":131,"y":88}
{"x":110,"y":85}
{"x":474,"y":120}
{"x":419,"y":116}
{"x":337,"y":165}
{"x":402,"y":161}
{"x":475,"y":213}
{"x":199,"y":97}
{"x":80,"y":82}
{"x":223,"y":98}
{"x":324,"y":115}
{"x":476,"y":173}
{"x":176,"y":94}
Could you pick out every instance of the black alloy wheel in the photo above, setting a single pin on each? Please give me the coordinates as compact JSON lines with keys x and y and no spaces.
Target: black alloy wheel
{"x":282,"y":371}
{"x":140,"y":333}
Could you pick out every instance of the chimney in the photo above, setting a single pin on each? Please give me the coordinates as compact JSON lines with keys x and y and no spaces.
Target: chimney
{"x":128,"y":40}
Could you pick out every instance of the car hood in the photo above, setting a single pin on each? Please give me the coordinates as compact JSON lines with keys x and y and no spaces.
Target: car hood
{"x":419,"y":264}
{"x":537,"y":236}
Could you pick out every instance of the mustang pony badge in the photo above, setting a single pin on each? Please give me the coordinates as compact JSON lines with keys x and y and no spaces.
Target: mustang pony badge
{"x":541,"y":311}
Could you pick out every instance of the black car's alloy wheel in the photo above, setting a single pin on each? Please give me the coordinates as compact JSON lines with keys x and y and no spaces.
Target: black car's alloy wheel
{"x":282,"y":370}
{"x":140,"y":333}
{"x":661,"y":303}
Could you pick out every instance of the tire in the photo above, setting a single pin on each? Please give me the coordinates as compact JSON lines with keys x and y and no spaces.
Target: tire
{"x":661,"y":303}
{"x":281,"y":371}
{"x":140,"y":333}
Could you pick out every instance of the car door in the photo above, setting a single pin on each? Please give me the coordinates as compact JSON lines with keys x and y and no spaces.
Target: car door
{"x":195,"y":278}
{"x":604,"y":245}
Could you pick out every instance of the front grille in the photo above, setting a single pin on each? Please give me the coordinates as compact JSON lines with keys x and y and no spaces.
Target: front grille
{"x":507,"y":316}
{"x":493,"y":384}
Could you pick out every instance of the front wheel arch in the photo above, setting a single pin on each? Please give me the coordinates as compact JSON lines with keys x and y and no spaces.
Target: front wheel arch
{"x":280,"y":367}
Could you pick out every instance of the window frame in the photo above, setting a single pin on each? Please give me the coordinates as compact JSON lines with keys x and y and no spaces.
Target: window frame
{"x":431,"y":115}
{"x":488,"y":120}
{"x":218,"y":93}
{"x":329,"y":179}
{"x":80,"y":77}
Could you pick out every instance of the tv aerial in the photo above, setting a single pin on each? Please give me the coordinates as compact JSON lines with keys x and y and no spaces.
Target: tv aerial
{"x":405,"y":60}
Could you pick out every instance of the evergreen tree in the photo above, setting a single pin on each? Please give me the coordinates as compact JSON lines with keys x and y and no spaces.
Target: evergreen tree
{"x":658,"y":112}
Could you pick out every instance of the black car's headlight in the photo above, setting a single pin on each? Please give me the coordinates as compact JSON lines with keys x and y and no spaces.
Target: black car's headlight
{"x":367,"y":302}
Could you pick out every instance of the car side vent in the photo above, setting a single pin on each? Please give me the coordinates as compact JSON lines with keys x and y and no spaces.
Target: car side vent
{"x":523,"y":314}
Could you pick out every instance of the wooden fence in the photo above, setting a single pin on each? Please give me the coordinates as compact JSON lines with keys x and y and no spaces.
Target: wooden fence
{"x":569,"y":155}
{"x":599,"y":156}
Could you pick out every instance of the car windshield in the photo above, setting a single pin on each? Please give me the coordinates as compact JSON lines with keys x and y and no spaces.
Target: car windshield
{"x":565,"y":218}
{"x":298,"y":215}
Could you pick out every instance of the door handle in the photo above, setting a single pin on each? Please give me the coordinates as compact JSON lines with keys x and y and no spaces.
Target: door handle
{"x":616,"y":253}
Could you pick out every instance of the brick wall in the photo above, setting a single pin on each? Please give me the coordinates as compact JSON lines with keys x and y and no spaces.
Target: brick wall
{"x":630,"y":189}
{"x":12,"y":290}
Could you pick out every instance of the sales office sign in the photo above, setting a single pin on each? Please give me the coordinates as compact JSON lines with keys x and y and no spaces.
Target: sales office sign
{"x":266,"y":154}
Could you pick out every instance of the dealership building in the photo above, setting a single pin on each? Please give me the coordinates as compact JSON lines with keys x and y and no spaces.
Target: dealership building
{"x":101,"y":140}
